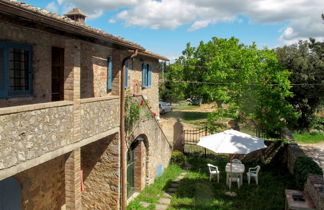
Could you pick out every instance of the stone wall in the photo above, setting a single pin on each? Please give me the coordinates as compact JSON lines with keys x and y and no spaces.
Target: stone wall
{"x":158,"y":149}
{"x":29,"y":131}
{"x":43,"y":186}
{"x":135,"y":81}
{"x":94,"y":70}
{"x":315,"y":187}
{"x":178,"y":136}
{"x":99,"y":115}
{"x":41,"y":43}
{"x":100,"y":165}
{"x":293,"y":152}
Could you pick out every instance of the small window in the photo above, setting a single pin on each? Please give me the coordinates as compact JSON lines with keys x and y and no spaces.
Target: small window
{"x":15,"y":69}
{"x":146,"y":76}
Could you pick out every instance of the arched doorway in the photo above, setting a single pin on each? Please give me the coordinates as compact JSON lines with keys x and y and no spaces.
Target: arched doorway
{"x":137,"y":165}
{"x":131,"y":169}
{"x":10,"y":194}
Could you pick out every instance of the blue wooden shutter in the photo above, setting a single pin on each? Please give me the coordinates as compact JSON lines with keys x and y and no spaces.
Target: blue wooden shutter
{"x":144,"y":76}
{"x":109,"y":74}
{"x":126,"y":75}
{"x":149,"y":76}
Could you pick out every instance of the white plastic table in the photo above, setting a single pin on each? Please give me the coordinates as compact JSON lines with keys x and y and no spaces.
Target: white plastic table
{"x":237,"y":168}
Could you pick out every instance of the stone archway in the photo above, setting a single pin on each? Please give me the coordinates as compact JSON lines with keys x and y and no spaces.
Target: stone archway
{"x":139,"y":150}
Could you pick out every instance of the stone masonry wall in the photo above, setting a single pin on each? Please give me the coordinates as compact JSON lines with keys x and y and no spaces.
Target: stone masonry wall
{"x":25,"y":135}
{"x":42,"y":43}
{"x":159,"y":149}
{"x":293,"y":152}
{"x":43,"y":186}
{"x":94,"y":70}
{"x":135,"y":81}
{"x":99,"y":116}
{"x":100,"y":165}
{"x":315,"y":187}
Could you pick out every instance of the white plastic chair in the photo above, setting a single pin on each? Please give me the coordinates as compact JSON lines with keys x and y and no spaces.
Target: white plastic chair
{"x":253,"y":172}
{"x":236,"y":161}
{"x":213,"y":171}
{"x":234,"y":177}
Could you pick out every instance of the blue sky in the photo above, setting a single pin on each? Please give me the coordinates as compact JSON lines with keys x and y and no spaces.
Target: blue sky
{"x":165,"y":26}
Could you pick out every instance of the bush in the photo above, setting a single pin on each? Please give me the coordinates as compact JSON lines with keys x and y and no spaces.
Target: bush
{"x":318,"y":123}
{"x":304,"y":166}
{"x":178,"y":158}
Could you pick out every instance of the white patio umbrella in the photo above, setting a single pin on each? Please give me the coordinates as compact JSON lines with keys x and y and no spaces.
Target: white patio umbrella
{"x":231,"y":142}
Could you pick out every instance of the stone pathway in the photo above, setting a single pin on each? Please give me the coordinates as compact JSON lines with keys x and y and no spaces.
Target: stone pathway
{"x":315,"y":151}
{"x":165,"y":199}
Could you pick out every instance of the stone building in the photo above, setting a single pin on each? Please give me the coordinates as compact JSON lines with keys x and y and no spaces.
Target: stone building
{"x":59,"y":112}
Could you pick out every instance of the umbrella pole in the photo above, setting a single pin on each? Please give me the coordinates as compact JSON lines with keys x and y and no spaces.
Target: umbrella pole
{"x":230,"y":193}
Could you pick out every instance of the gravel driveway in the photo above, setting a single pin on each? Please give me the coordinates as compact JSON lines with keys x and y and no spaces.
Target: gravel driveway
{"x":316,"y":151}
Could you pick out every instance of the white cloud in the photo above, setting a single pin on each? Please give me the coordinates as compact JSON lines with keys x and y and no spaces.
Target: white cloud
{"x":302,"y":17}
{"x":52,"y":7}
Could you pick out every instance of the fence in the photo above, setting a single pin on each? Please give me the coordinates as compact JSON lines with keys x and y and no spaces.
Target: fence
{"x":191,"y":138}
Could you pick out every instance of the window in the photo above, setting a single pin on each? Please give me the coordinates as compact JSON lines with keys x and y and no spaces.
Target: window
{"x":146,"y":76}
{"x":109,"y":74}
{"x":15,"y":69}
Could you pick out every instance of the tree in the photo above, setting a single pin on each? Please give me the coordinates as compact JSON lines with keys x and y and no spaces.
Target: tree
{"x":249,"y":80}
{"x":305,"y":61}
{"x":172,"y":90}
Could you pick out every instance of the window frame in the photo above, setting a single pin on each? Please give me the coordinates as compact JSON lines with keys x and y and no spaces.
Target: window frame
{"x":146,"y":75}
{"x":6,"y":92}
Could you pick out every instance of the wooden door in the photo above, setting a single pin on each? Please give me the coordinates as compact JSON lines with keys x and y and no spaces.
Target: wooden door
{"x":57,"y":74}
{"x":10,"y":191}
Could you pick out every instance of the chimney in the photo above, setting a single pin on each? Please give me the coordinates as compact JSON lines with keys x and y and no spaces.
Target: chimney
{"x":77,"y":15}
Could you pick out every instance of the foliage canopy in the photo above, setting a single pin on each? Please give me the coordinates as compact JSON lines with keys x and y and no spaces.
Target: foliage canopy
{"x":250,"y":81}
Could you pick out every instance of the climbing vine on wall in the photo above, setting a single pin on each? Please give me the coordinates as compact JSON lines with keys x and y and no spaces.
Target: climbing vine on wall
{"x":136,"y":111}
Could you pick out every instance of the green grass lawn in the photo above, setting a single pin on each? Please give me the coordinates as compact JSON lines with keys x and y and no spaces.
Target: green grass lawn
{"x":194,"y":118}
{"x":309,"y":138}
{"x":196,"y":192}
{"x":185,"y":107}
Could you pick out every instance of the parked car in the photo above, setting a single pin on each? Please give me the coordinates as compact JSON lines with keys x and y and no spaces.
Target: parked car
{"x":165,"y":107}
{"x":194,"y":101}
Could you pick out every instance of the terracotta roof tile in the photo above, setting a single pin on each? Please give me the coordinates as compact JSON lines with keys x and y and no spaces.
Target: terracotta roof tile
{"x":67,"y":20}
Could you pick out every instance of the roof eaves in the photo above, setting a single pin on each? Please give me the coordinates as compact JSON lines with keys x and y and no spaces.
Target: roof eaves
{"x":53,"y":19}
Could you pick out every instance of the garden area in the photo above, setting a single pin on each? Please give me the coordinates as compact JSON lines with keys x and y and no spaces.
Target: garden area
{"x":195,"y":191}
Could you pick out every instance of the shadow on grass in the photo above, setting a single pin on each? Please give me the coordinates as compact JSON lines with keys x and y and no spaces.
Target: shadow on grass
{"x":189,"y":116}
{"x":197,"y":192}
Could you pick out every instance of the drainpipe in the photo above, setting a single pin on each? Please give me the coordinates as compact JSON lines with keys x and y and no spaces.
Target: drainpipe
{"x":123,"y":149}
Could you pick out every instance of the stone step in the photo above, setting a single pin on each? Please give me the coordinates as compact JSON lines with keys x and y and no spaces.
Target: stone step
{"x":167,"y":195}
{"x":171,"y":190}
{"x":145,"y":204}
{"x":165,"y":201}
{"x":174,"y":184}
{"x":184,"y":173}
{"x":161,"y":207}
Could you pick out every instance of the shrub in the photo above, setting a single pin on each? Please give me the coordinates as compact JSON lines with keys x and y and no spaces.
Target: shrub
{"x":178,"y":158}
{"x":304,"y":166}
{"x":318,"y":123}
